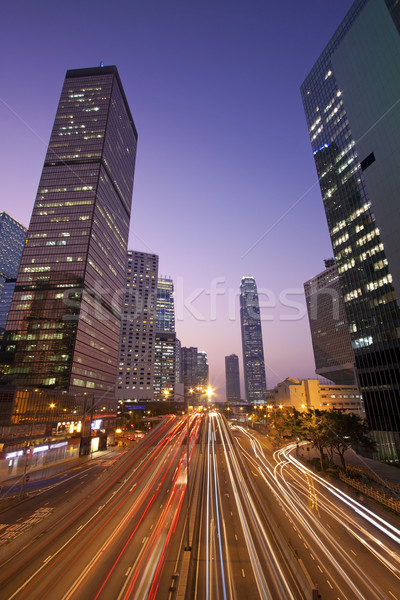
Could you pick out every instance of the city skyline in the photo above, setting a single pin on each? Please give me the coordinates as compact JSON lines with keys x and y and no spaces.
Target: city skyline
{"x":215,"y":214}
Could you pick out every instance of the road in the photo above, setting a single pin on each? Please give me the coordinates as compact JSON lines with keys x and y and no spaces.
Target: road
{"x":256,"y":524}
{"x":112,"y":541}
{"x":346,"y":549}
{"x":236,"y":553}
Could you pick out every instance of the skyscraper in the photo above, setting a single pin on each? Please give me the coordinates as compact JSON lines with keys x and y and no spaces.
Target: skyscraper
{"x":165,"y":351}
{"x":252,"y":344}
{"x":351,"y":104}
{"x":202,"y":369}
{"x":64,"y":324}
{"x":138,"y":332}
{"x":12,"y":242}
{"x":165,"y":305}
{"x":333,"y":353}
{"x":232,"y":378}
{"x":189,"y":367}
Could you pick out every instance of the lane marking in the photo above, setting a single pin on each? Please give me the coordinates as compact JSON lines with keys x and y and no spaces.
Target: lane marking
{"x":320,"y":568}
{"x":243,"y":573}
{"x":329,"y":583}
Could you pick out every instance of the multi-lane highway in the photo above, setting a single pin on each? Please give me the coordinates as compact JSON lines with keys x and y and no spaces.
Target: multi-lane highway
{"x":110,"y":542}
{"x":346,"y":549}
{"x":236,"y":553}
{"x":256,"y":524}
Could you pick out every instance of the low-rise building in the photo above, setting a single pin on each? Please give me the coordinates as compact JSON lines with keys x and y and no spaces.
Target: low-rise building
{"x":311,"y":394}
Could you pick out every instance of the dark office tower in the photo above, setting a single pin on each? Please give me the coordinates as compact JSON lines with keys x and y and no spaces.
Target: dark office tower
{"x":333,"y":353}
{"x":232,"y":378}
{"x":351,"y":104}
{"x":12,"y":242}
{"x":189,"y":367}
{"x":252,"y":344}
{"x":165,"y":305}
{"x":64,"y":324}
{"x":202,"y":369}
{"x":136,"y":357}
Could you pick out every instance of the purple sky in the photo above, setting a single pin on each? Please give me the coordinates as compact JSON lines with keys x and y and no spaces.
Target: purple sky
{"x":225,"y":183}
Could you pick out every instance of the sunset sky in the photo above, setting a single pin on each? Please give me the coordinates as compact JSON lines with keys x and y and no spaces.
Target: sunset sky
{"x":225,"y":183}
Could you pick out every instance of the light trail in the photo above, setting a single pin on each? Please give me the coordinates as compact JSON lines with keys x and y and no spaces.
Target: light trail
{"x":308,"y":518}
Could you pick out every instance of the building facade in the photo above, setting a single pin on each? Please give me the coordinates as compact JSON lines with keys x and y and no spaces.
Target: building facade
{"x":64,"y":323}
{"x":310,"y":394}
{"x":333,"y":353}
{"x":232,"y":378}
{"x":138,"y":332}
{"x":252,"y":342}
{"x":353,"y":117}
{"x":12,"y":242}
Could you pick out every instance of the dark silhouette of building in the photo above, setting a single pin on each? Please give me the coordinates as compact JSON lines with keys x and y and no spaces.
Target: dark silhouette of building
{"x":333,"y":353}
{"x":232,"y":378}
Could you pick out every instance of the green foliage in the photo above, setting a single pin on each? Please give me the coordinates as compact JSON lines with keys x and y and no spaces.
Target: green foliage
{"x":330,"y":432}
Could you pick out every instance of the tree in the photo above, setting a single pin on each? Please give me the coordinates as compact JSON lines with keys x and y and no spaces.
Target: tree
{"x":346,"y":430}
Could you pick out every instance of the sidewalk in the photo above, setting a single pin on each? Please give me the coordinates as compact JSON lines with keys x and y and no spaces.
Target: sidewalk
{"x":51,"y":469}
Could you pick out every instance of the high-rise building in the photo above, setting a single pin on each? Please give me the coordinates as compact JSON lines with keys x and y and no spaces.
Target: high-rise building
{"x":351,"y":104}
{"x":333,"y":353}
{"x":165,"y":350}
{"x":165,"y":305}
{"x":138,"y":332}
{"x":12,"y":242}
{"x":164,"y":365}
{"x":202,"y":369}
{"x":64,"y":324}
{"x":232,"y":378}
{"x":252,"y":343}
{"x":189,"y":367}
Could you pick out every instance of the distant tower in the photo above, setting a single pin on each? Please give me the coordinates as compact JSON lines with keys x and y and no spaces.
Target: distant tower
{"x":136,"y":358}
{"x":333,"y":354}
{"x":252,"y":344}
{"x":232,"y":378}
{"x":64,"y":323}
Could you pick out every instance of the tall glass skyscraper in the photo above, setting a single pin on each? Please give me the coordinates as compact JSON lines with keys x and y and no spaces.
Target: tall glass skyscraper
{"x":64,"y":323}
{"x":351,"y":101}
{"x":12,"y":242}
{"x":252,"y":343}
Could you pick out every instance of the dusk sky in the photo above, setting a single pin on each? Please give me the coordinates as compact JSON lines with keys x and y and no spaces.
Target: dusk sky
{"x":225,"y":183}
